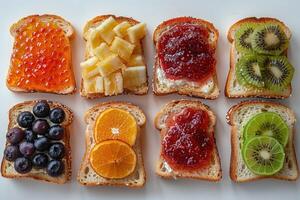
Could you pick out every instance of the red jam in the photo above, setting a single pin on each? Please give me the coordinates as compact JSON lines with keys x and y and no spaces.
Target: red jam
{"x":187,"y":144}
{"x":41,"y":58}
{"x":185,"y":53}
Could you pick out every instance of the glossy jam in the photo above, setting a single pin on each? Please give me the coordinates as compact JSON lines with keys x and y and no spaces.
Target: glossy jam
{"x":185,"y":53}
{"x":41,"y":58}
{"x":187,"y":144}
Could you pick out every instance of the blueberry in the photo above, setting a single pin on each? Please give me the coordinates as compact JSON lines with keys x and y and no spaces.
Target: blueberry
{"x":55,"y":168}
{"x":41,"y":109}
{"x":40,"y":126}
{"x":40,"y":160}
{"x":22,"y":165}
{"x":27,"y":149}
{"x":25,"y":119}
{"x":11,"y":153}
{"x":15,"y":135}
{"x":56,"y":132}
{"x":30,"y":136}
{"x":57,"y":150}
{"x":57,"y":115}
{"x":41,"y":144}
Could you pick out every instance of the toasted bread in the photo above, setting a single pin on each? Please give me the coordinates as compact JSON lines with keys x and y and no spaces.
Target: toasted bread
{"x":207,"y":90}
{"x":237,"y":116}
{"x":87,"y":176}
{"x":7,"y":167}
{"x":235,"y":90}
{"x":211,"y":173}
{"x":141,"y":90}
{"x":19,"y":85}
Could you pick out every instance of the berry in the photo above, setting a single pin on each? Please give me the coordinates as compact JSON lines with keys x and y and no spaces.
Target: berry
{"x":55,"y":168}
{"x":27,"y":149}
{"x":15,"y":135}
{"x":30,"y":136}
{"x":40,"y":126}
{"x":40,"y":160}
{"x":11,"y":153}
{"x":57,"y":115}
{"x":57,"y":150}
{"x":41,"y":144}
{"x":22,"y":165}
{"x":56,"y":132}
{"x":41,"y":109}
{"x":25,"y":119}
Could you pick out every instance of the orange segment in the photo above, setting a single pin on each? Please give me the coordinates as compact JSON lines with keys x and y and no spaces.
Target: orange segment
{"x":113,"y":159}
{"x":116,"y":123}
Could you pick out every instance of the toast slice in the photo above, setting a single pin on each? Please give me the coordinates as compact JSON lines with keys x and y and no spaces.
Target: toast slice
{"x":138,"y":50}
{"x":211,"y":173}
{"x":162,"y":85}
{"x":7,"y":167}
{"x":237,"y":116}
{"x":235,"y":90}
{"x":87,"y":176}
{"x":46,"y":48}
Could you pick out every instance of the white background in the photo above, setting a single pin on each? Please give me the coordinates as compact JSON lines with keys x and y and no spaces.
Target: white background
{"x":222,"y":14}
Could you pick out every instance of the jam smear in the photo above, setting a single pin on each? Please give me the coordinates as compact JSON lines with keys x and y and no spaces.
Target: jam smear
{"x":41,"y":58}
{"x":185,"y":53}
{"x":187,"y":144}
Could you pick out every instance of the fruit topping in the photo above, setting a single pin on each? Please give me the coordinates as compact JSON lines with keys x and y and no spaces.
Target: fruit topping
{"x":42,"y":144}
{"x":40,"y":160}
{"x":184,"y":52}
{"x":115,"y":123}
{"x":41,"y":109}
{"x":11,"y":152}
{"x":27,"y":149}
{"x":57,"y":115}
{"x":25,"y":119}
{"x":30,"y":136}
{"x":40,"y":126}
{"x":57,"y":150}
{"x":243,"y":37}
{"x":134,"y":76}
{"x":55,"y":168}
{"x":56,"y":132}
{"x":15,"y":135}
{"x":22,"y":165}
{"x":113,"y":159}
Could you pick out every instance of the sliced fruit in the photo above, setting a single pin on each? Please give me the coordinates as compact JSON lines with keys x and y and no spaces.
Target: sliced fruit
{"x":89,"y":62}
{"x":268,"y":124}
{"x":136,"y":32}
{"x":102,"y":51}
{"x":113,"y":159}
{"x":134,"y":77}
{"x":121,"y":29}
{"x":113,"y":84}
{"x":94,"y":39}
{"x":269,"y":39}
{"x":122,"y":48}
{"x":136,"y":60}
{"x":263,"y":155}
{"x":90,"y":72}
{"x":105,"y":29}
{"x":243,"y":37}
{"x":115,"y":123}
{"x":279,"y":73}
{"x":138,"y":48}
{"x":110,"y":65}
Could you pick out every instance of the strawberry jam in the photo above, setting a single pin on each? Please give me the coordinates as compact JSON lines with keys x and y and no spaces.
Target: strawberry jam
{"x":187,"y":144}
{"x":185,"y":53}
{"x":41,"y":58}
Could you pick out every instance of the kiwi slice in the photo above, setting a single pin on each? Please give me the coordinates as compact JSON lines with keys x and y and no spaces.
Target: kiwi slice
{"x":263,"y":155}
{"x":250,"y":70}
{"x":243,"y":37}
{"x":267,"y":124}
{"x":269,"y":39}
{"x":278,"y":72}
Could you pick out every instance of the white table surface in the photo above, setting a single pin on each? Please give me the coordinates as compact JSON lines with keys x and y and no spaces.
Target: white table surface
{"x":222,"y":14}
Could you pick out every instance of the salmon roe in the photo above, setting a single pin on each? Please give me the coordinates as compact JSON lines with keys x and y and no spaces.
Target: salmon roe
{"x":41,"y":58}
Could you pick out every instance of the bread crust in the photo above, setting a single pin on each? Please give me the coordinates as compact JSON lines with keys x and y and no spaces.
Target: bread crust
{"x":235,"y":143}
{"x":42,"y":176}
{"x":143,"y":90}
{"x":264,"y":93}
{"x":184,"y":90}
{"x":167,"y":110}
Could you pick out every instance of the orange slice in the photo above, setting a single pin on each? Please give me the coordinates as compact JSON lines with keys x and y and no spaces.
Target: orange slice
{"x":116,"y":123}
{"x":113,"y":159}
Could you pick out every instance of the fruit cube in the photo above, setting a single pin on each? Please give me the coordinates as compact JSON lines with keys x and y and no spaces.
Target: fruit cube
{"x":138,"y":48}
{"x":94,"y":39}
{"x":89,"y":68}
{"x":121,"y":29}
{"x":99,"y":84}
{"x":102,"y":51}
{"x":105,"y":29}
{"x":113,"y":84}
{"x":123,"y":48}
{"x":134,"y":77}
{"x":136,"y":32}
{"x":110,"y":65}
{"x":89,"y":62}
{"x":135,"y":60}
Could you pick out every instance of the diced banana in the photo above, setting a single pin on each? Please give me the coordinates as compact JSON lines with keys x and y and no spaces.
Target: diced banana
{"x":136,"y":32}
{"x":102,"y":51}
{"x":99,"y":85}
{"x":134,"y":77}
{"x":110,"y":65}
{"x":113,"y":84}
{"x":105,"y":29}
{"x":123,"y":48}
{"x":135,"y":60}
{"x":89,"y":62}
{"x":89,"y":86}
{"x":94,"y":85}
{"x":121,"y":29}
{"x":88,"y":73}
{"x":94,"y":39}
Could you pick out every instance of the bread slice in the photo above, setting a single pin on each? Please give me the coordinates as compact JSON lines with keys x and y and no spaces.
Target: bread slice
{"x":87,"y":176}
{"x":237,"y":116}
{"x":163,"y":86}
{"x":214,"y":171}
{"x":7,"y":167}
{"x":235,"y":90}
{"x":69,"y":34}
{"x":142,"y":90}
